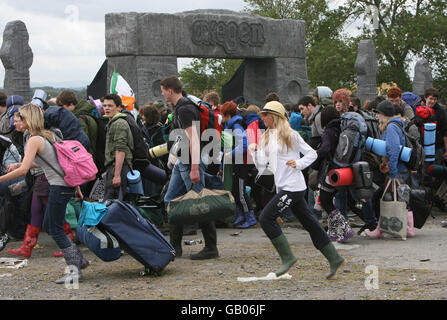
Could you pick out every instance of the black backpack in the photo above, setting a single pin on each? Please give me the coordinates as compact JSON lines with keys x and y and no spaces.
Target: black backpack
{"x":413,"y":142}
{"x":140,"y":148}
{"x":99,"y":156}
{"x":372,"y":124}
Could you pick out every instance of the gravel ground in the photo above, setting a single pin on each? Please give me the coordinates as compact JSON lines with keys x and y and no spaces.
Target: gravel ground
{"x":412,"y":269}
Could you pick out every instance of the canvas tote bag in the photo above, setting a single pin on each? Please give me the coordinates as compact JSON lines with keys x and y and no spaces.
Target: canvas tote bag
{"x":393,"y":214}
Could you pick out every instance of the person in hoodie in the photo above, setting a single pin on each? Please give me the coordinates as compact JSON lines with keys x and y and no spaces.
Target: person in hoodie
{"x":390,"y":125}
{"x":338,"y":227}
{"x":68,"y":100}
{"x":63,"y":119}
{"x":238,"y":156}
{"x":286,"y":154}
{"x":12,"y":104}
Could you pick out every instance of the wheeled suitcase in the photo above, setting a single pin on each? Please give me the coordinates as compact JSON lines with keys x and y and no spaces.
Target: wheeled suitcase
{"x":137,"y":236}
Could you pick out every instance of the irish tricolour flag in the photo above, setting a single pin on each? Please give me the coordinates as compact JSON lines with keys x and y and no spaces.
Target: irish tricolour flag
{"x":119,"y":86}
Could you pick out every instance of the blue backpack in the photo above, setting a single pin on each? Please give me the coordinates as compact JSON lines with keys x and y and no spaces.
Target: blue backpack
{"x":352,"y":139}
{"x":412,"y":99}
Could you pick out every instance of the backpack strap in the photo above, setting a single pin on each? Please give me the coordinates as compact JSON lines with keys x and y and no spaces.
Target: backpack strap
{"x":47,"y":162}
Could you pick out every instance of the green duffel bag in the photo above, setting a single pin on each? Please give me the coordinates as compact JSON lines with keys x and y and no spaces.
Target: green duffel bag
{"x":72,"y":212}
{"x":204,"y":206}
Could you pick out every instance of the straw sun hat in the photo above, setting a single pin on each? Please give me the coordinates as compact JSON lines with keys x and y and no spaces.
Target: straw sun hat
{"x":274,"y":107}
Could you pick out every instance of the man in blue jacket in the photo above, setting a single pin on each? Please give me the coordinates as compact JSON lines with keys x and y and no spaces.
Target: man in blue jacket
{"x":67,"y":122}
{"x":394,"y":137}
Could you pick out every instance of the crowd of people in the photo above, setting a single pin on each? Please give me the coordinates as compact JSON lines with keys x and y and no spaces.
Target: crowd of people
{"x":296,"y":145}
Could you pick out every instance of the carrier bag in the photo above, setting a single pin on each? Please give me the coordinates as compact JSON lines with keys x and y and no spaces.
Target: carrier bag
{"x":196,"y":207}
{"x":394,"y":213}
{"x":137,"y":236}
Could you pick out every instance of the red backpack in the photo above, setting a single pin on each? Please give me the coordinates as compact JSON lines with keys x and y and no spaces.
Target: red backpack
{"x":208,"y":118}
{"x":424,"y":114}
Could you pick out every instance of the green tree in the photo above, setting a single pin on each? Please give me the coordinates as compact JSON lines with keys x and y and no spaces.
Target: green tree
{"x":203,"y":75}
{"x":330,"y":55}
{"x":402,"y":30}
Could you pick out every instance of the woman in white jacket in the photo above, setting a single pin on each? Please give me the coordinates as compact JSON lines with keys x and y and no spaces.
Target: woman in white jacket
{"x":279,"y":151}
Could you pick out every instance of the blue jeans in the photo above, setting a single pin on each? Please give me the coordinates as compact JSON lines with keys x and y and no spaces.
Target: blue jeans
{"x":341,"y":201}
{"x":180,"y":182}
{"x":55,"y":214}
{"x":368,"y":213}
{"x":4,"y":186}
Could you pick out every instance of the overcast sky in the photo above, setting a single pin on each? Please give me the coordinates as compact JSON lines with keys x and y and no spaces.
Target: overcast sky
{"x":67,"y":37}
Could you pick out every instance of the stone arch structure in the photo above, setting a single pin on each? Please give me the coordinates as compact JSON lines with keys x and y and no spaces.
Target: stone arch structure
{"x":144,"y":48}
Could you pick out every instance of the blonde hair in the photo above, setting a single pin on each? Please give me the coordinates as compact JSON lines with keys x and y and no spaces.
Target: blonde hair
{"x":253,"y":107}
{"x":283,"y":130}
{"x":33,"y":115}
{"x":384,"y":123}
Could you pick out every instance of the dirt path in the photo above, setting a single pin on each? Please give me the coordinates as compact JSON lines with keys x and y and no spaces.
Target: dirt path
{"x":412,"y":269}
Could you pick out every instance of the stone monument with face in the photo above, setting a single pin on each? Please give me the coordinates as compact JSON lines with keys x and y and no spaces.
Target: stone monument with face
{"x":422,"y":77}
{"x":17,"y":58}
{"x":366,"y":67}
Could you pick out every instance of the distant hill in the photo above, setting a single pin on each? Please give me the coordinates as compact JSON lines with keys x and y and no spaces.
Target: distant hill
{"x":62,"y":85}
{"x":81,"y":93}
{"x":52,"y":92}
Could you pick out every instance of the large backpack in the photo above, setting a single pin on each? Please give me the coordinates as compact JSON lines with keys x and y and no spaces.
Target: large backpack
{"x":372,"y":124}
{"x":412,"y":99}
{"x":140,"y":153}
{"x":208,"y":118}
{"x":5,"y":129}
{"x":100,"y":147}
{"x":413,"y":141}
{"x":352,"y":139}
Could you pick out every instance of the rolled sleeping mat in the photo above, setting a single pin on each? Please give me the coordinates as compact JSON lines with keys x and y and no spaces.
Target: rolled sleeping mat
{"x":378,"y":147}
{"x":341,"y":177}
{"x":39,"y":98}
{"x":437,"y":171}
{"x":429,"y":141}
{"x":134,"y":184}
{"x":159,"y":151}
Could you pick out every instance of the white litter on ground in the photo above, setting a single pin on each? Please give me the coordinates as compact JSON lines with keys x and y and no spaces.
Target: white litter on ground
{"x":12,"y":263}
{"x":270,"y":276}
{"x":340,"y":246}
{"x":5,"y":275}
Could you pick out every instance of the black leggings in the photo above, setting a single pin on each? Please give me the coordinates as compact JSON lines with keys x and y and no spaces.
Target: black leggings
{"x":295,"y":201}
{"x":327,"y":200}
{"x":238,"y":191}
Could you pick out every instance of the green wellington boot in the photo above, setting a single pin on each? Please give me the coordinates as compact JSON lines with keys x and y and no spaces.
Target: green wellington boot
{"x":287,"y":258}
{"x":335,"y":260}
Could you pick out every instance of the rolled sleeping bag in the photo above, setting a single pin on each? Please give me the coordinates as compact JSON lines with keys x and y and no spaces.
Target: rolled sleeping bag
{"x":378,"y":147}
{"x":429,"y":141}
{"x":341,"y":177}
{"x":159,"y":151}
